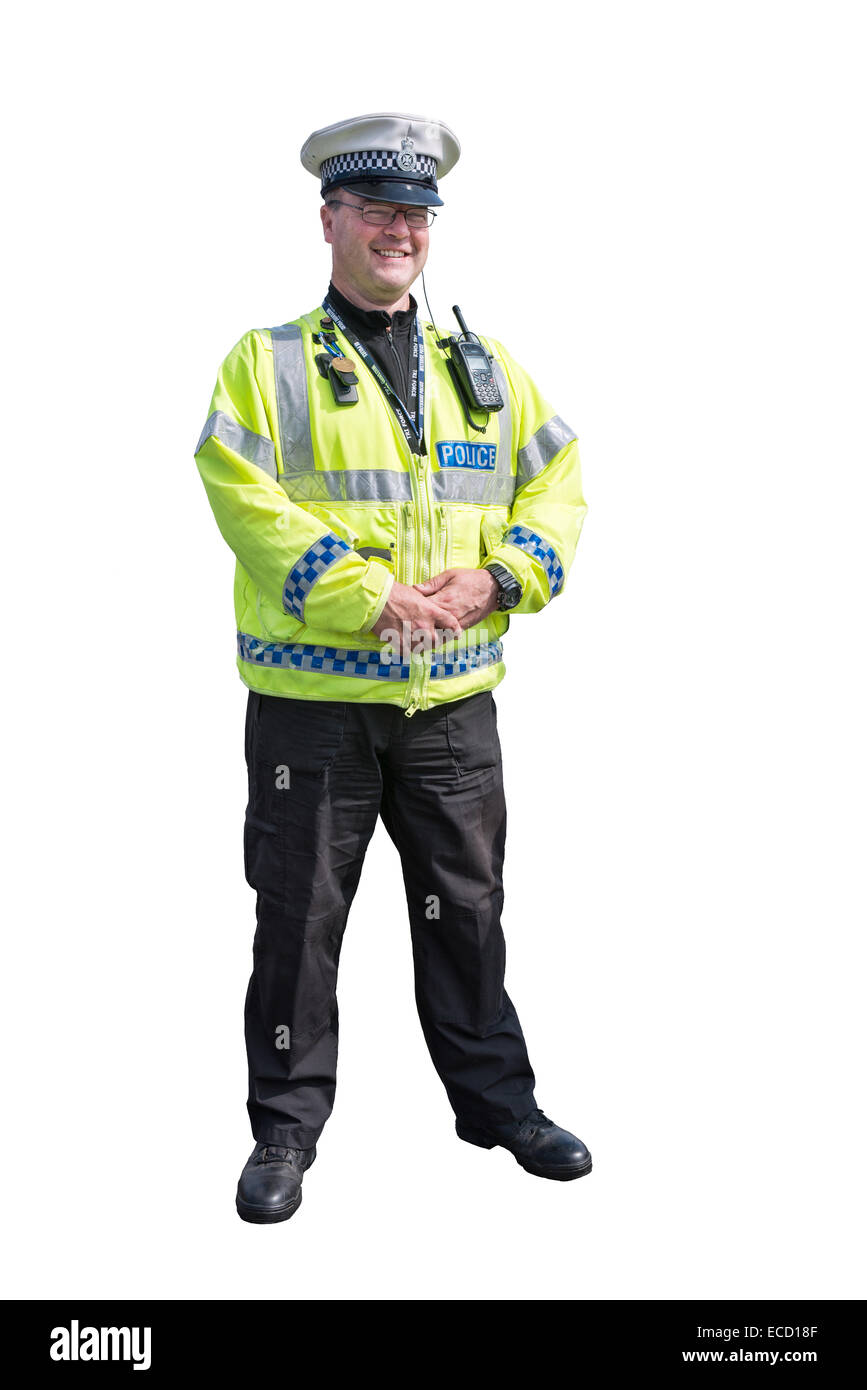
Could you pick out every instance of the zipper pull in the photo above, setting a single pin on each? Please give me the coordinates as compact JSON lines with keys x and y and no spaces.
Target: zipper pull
{"x":411,"y":709}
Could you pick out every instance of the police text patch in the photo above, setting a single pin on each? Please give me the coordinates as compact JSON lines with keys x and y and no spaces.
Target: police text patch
{"x":456,"y":453}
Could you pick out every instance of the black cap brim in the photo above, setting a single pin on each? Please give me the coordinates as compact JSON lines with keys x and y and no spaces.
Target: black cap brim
{"x":390,"y":191}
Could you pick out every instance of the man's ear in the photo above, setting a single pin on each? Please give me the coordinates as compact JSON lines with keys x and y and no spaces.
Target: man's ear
{"x":327,"y":222}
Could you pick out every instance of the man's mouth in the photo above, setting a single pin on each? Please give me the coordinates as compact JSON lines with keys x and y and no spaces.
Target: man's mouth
{"x":390,"y":255}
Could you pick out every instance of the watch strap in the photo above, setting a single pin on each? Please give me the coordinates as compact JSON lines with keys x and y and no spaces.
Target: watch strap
{"x":510,"y":588}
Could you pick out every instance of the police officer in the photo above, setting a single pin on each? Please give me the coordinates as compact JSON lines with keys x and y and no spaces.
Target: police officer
{"x":391,"y":496}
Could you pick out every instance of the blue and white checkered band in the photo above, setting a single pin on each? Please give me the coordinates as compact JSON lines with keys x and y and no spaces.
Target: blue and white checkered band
{"x":541,"y":550}
{"x":311,"y":566}
{"x":362,"y":162}
{"x":371,"y":665}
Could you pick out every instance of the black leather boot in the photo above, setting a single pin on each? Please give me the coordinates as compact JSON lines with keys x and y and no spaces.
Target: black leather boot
{"x":269,"y":1188}
{"x":540,"y":1146}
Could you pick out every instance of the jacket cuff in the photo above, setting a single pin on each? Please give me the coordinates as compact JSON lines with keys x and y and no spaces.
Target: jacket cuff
{"x":382,"y":600}
{"x":495,"y":559}
{"x":512,"y":560}
{"x":536,"y":589}
{"x":349,"y":596}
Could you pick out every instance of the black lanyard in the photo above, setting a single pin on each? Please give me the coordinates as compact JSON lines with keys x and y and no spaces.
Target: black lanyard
{"x":410,"y":418}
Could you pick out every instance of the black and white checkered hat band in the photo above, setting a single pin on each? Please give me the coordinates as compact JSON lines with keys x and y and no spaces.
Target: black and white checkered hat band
{"x":372,"y":162}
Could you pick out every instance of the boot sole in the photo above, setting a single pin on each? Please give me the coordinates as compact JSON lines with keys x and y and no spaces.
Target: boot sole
{"x":262,"y":1216}
{"x":484,"y":1141}
{"x":559,"y":1175}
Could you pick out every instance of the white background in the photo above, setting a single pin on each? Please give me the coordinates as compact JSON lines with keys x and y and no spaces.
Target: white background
{"x":660,"y":211}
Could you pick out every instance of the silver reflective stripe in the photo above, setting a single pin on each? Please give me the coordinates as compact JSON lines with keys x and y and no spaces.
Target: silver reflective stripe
{"x":255,"y":448}
{"x":504,"y":416}
{"x":347,"y":485}
{"x":470,"y":485}
{"x":293,"y":408}
{"x":347,"y":661}
{"x":542,"y":448}
{"x":505,"y":476}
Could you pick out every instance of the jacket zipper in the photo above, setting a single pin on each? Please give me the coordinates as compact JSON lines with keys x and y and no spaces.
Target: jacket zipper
{"x":419,"y":662}
{"x":444,"y":540}
{"x":407,"y":551}
{"x":427,"y":555}
{"x":424,"y":551}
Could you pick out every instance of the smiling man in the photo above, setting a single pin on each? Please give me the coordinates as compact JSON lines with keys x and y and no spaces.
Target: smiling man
{"x":391,"y":497}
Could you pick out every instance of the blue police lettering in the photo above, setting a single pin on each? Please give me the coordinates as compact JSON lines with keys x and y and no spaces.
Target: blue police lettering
{"x":455,"y":453}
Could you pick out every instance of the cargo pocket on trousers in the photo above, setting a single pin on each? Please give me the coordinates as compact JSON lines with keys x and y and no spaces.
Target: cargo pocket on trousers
{"x":471,"y":731}
{"x":264,"y":857}
{"x":291,"y":745}
{"x":298,"y":735}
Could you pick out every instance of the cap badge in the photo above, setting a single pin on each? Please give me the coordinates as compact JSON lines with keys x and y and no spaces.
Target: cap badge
{"x":407,"y":159}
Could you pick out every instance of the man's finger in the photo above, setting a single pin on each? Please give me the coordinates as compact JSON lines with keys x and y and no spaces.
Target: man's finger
{"x":430,"y":586}
{"x":444,"y":619}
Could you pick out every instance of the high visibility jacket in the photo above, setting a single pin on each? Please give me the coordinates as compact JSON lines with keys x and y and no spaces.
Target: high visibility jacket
{"x":325,"y":506}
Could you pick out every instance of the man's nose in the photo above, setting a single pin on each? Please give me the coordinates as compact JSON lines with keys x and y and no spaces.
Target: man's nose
{"x":399,"y":227}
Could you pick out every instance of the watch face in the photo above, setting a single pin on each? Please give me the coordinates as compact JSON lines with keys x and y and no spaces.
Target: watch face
{"x":509,"y":590}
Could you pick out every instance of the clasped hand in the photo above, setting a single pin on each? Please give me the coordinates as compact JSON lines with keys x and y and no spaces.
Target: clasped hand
{"x":437,"y":610}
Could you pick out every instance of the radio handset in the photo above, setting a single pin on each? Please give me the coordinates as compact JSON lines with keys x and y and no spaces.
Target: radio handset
{"x":472,"y":369}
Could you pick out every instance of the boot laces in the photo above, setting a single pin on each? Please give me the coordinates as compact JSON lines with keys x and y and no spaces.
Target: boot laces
{"x":536,"y":1119}
{"x":277,"y":1153}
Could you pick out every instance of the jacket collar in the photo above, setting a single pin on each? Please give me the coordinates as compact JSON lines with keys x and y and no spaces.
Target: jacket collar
{"x":372,"y":320}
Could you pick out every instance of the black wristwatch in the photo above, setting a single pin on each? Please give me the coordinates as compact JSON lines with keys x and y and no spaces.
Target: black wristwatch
{"x":510,"y":590}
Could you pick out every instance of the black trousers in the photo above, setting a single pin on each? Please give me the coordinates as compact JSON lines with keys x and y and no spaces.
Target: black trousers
{"x":320,"y":772}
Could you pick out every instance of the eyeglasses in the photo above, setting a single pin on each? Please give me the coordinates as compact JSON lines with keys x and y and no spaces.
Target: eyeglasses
{"x":381,"y":217}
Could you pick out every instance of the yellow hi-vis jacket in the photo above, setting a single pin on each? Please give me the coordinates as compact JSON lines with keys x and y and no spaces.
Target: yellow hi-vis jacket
{"x":325,"y":506}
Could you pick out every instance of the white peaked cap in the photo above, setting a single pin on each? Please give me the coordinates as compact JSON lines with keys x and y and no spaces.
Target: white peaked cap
{"x":386,"y":156}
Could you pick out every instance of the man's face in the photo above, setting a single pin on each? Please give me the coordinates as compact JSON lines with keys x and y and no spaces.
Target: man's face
{"x":380,"y":262}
